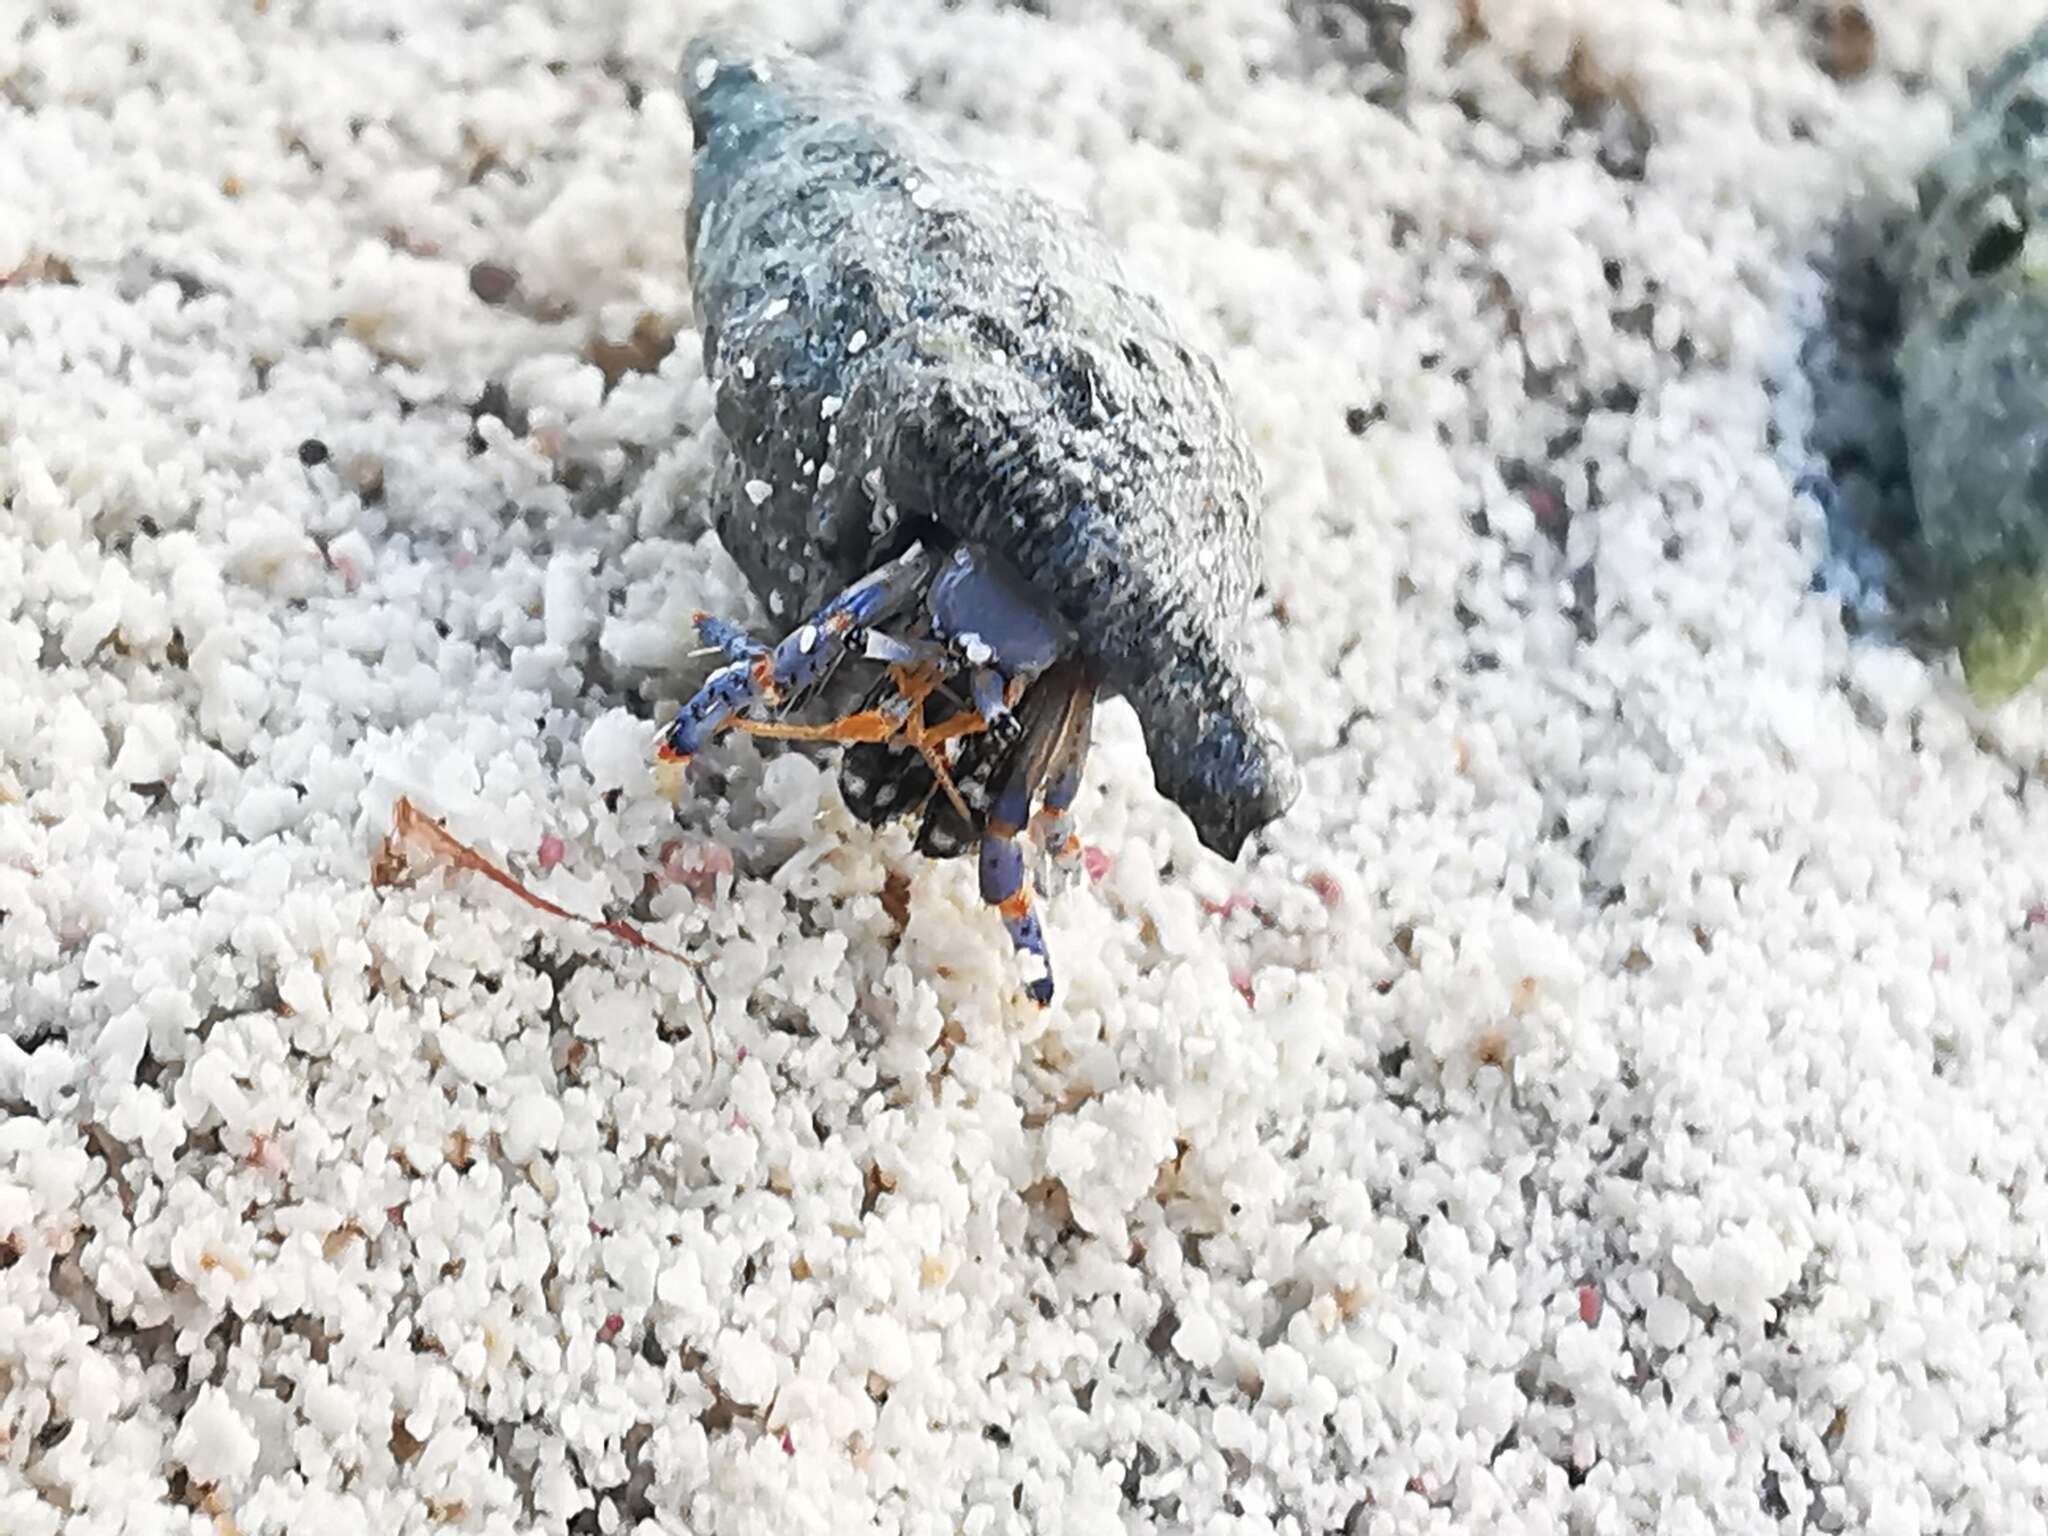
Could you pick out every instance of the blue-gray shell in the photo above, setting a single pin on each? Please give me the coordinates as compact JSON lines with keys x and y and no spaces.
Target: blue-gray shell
{"x":899,"y":338}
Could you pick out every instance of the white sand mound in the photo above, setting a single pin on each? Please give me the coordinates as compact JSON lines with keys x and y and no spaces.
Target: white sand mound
{"x":1611,"y":1102}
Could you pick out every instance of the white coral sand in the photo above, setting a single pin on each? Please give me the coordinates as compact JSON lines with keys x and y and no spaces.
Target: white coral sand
{"x":1611,"y":1102}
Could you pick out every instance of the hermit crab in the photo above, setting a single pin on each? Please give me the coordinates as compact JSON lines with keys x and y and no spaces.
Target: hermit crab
{"x":970,"y":456}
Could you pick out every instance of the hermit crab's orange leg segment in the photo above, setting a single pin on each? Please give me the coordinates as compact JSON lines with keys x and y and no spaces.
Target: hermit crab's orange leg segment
{"x":903,"y":717}
{"x":929,"y":740}
{"x":867,"y":725}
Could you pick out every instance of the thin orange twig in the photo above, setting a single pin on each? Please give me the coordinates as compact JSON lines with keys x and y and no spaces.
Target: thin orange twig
{"x":409,"y":824}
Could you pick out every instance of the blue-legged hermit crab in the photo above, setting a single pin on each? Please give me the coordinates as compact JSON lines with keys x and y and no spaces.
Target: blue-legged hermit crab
{"x":968,"y":453}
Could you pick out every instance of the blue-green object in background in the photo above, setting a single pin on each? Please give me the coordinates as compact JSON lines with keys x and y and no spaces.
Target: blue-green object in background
{"x":1973,"y":363}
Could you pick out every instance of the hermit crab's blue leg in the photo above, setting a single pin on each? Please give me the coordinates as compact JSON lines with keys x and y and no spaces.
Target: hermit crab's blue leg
{"x":736,"y":644}
{"x":1005,"y":886}
{"x":1044,"y":727}
{"x":755,"y":676}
